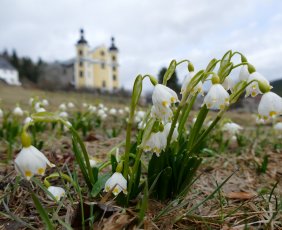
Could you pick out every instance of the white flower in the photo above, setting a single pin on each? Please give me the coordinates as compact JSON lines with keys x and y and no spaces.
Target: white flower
{"x":228,"y":83}
{"x":45,"y":102}
{"x":92,"y":109}
{"x":30,"y":101}
{"x":217,"y":97}
{"x":57,"y":192}
{"x":63,"y":107}
{"x":113,"y":111}
{"x":232,"y":128}
{"x":163,"y":96}
{"x":174,"y":134}
{"x":163,"y":113}
{"x":101,"y":113}
{"x":155,"y":143}
{"x":70,"y":105}
{"x":92,"y":162}
{"x":121,"y":111}
{"x":1,"y":113}
{"x":63,"y":114}
{"x":117,"y":183}
{"x":197,"y":89}
{"x":39,"y":110}
{"x":278,"y":126}
{"x":139,"y":116}
{"x":244,"y":73}
{"x":270,"y":105}
{"x":84,"y":105}
{"x":253,"y":88}
{"x":18,"y":111}
{"x":27,"y":120}
{"x":101,"y":106}
{"x":31,"y":161}
{"x":126,"y":109}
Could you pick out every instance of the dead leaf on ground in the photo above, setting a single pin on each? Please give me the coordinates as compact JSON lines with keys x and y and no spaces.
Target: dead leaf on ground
{"x":240,"y":195}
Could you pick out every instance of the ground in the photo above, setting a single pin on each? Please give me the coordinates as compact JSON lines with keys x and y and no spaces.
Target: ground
{"x":249,"y":199}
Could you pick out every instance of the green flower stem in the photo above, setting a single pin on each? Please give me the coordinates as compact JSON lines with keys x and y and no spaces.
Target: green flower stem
{"x":134,"y":170}
{"x":55,"y":175}
{"x":173,"y":125}
{"x":84,"y":151}
{"x":240,"y":64}
{"x":185,"y":60}
{"x":127,"y":148}
{"x":186,"y":112}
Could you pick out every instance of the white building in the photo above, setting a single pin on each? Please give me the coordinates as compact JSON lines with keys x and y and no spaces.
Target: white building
{"x":8,"y":73}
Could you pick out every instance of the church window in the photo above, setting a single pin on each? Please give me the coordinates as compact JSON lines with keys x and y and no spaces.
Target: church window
{"x":102,"y":53}
{"x":114,"y":68}
{"x":103,"y":65}
{"x":81,"y":73}
{"x":113,"y":58}
{"x":104,"y":84}
{"x":114,"y":77}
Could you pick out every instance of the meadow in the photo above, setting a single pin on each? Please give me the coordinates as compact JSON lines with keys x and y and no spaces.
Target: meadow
{"x":107,"y":171}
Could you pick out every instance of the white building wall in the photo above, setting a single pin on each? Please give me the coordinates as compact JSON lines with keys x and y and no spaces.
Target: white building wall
{"x":10,"y":76}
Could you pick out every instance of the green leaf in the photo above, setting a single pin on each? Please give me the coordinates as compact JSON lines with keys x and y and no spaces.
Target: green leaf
{"x":164,"y":185}
{"x":45,"y":116}
{"x":144,"y":203}
{"x":42,"y":212}
{"x":100,"y":183}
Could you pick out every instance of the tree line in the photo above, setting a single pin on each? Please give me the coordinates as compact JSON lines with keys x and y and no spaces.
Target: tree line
{"x":26,"y":67}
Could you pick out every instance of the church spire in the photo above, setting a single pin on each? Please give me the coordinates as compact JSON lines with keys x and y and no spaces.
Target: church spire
{"x":82,"y":39}
{"x":113,"y":46}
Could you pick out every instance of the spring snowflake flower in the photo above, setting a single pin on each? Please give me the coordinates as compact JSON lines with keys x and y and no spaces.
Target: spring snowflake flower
{"x":156,"y":143}
{"x":121,"y":111}
{"x":139,"y":116}
{"x":31,"y":161}
{"x":113,"y":111}
{"x":18,"y":111}
{"x":174,"y":134}
{"x":27,"y":120}
{"x":163,"y":113}
{"x":126,"y":109}
{"x":70,"y":105}
{"x":270,"y":105}
{"x":253,"y":88}
{"x":244,"y":73}
{"x":30,"y":101}
{"x":197,"y":89}
{"x":57,"y":192}
{"x":1,"y":113}
{"x":63,"y":107}
{"x":102,"y":114}
{"x":117,"y":183}
{"x":164,"y":96}
{"x":278,"y":126}
{"x":217,"y":97}
{"x":63,"y":114}
{"x":92,"y":109}
{"x":45,"y":102}
{"x":232,"y":128}
{"x":228,"y":83}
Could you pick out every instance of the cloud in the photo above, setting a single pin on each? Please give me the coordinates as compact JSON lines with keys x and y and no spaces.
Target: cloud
{"x":148,"y":33}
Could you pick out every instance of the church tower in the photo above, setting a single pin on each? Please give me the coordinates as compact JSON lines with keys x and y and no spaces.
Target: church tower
{"x":113,"y":50}
{"x":82,"y":49}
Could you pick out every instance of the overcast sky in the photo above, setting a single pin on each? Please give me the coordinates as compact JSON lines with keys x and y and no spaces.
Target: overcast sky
{"x":149,"y":33}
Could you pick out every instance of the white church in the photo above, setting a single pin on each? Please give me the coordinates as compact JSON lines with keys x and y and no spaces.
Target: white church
{"x":8,"y":73}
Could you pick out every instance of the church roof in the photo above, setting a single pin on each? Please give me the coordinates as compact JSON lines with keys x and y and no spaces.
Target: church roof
{"x":4,"y":64}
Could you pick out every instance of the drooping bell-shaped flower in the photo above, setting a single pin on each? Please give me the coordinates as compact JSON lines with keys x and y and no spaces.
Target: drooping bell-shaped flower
{"x":253,"y":89}
{"x":278,"y":126}
{"x":121,"y":111}
{"x":71,"y":105}
{"x":57,"y":192}
{"x":228,"y":83}
{"x":163,"y":96}
{"x":270,"y":105}
{"x":1,"y":113}
{"x":232,"y":128}
{"x":163,"y":113}
{"x":27,"y":120}
{"x":197,"y":89}
{"x":217,"y":97}
{"x":116,"y":183}
{"x":244,"y":73}
{"x":18,"y":111}
{"x":30,"y":161}
{"x":45,"y":102}
{"x":156,"y":142}
{"x":63,"y":107}
{"x":174,"y":134}
{"x":64,"y":114}
{"x":113,"y":111}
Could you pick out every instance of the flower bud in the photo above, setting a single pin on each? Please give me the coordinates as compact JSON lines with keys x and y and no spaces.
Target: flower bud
{"x":190,"y":67}
{"x":243,"y":58}
{"x":215,"y":79}
{"x":263,"y":87}
{"x":251,"y":68}
{"x":25,"y":139}
{"x":119,"y":167}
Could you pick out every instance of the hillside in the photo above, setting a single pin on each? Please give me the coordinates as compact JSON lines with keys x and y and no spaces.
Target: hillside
{"x":277,"y":86}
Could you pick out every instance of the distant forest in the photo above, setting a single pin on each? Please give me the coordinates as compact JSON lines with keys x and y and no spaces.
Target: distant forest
{"x":26,"y":67}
